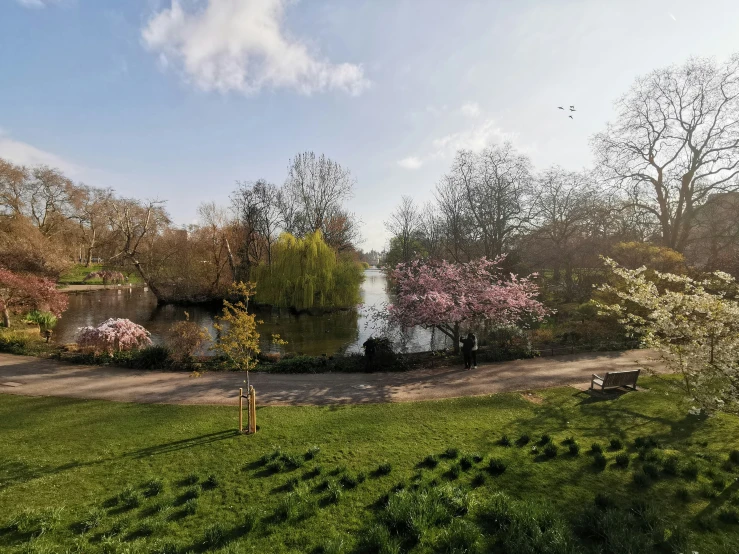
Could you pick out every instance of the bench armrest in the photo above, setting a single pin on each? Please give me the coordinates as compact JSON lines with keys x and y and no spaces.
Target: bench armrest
{"x":596,"y":377}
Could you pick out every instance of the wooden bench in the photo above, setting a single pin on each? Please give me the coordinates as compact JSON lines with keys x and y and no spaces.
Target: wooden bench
{"x":615,"y":379}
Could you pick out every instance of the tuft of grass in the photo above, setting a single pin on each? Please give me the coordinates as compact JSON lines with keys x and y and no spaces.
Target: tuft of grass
{"x":641,"y":479}
{"x":574,"y":448}
{"x":690,"y":471}
{"x":430,"y":461}
{"x":523,"y":440}
{"x":334,"y":492}
{"x":251,"y":521}
{"x":211,"y":482}
{"x":455,"y":470}
{"x":451,"y":453}
{"x":311,"y":453}
{"x":719,"y":483}
{"x":671,"y":465}
{"x":616,"y":444}
{"x":376,"y":538}
{"x":478,"y":480}
{"x":504,"y":441}
{"x":600,"y":461}
{"x":651,"y":470}
{"x":596,"y":448}
{"x":153,"y":487}
{"x":92,"y":520}
{"x":190,"y":507}
{"x":466,"y":462}
{"x":214,"y":535}
{"x":729,"y":516}
{"x":383,"y":469}
{"x":460,"y":537}
{"x":622,"y":460}
{"x":550,"y":450}
{"x":130,"y":498}
{"x":496,"y":466}
{"x":604,"y":501}
{"x":191,"y":479}
{"x":189,"y":494}
{"x":545,"y":439}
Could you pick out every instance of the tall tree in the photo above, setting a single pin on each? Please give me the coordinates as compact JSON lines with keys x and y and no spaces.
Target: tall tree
{"x":675,"y":142}
{"x":90,"y":205}
{"x":404,"y":223}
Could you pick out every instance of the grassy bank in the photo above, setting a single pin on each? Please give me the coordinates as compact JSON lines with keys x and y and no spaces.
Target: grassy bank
{"x":93,"y":476}
{"x":76,"y":274}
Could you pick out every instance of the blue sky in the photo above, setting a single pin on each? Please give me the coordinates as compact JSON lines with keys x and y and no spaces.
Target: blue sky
{"x":178,"y":100}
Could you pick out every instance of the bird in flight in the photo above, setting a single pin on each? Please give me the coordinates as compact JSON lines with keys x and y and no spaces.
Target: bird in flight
{"x":572,"y":108}
{"x":572,"y":117}
{"x":560,"y":107}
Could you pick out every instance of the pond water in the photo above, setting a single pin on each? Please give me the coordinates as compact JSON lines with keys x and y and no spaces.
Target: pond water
{"x":343,"y":331}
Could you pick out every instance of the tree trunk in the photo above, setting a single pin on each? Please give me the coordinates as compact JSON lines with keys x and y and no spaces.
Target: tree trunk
{"x":6,"y":317}
{"x":231,"y":263}
{"x":88,"y":261}
{"x":154,"y":289}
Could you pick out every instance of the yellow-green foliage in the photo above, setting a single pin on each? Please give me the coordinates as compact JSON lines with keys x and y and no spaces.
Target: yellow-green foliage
{"x":307,"y":273}
{"x":238,"y":339}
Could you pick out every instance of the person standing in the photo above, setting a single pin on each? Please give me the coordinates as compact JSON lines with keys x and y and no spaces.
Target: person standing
{"x":474,"y":352}
{"x":468,"y":344}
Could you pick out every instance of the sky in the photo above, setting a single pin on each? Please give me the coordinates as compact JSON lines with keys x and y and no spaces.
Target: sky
{"x":179,"y":100}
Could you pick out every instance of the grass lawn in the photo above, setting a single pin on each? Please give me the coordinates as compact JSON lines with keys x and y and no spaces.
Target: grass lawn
{"x":94,"y":476}
{"x":76,"y":274}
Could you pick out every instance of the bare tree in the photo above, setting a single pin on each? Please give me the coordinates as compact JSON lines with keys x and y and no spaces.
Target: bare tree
{"x":313,"y":199}
{"x":215,"y":227}
{"x":49,"y":198}
{"x":458,"y":235}
{"x":90,"y":211}
{"x":404,"y":223}
{"x":675,"y":142}
{"x":13,"y":183}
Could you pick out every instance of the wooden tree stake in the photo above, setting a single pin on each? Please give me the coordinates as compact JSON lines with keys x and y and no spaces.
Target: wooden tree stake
{"x":252,"y":410}
{"x":241,"y":410}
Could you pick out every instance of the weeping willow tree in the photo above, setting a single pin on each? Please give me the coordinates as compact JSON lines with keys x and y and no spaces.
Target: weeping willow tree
{"x":307,"y":273}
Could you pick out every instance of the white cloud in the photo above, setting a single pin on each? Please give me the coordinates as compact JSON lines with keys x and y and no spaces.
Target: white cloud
{"x":475,"y":138}
{"x":36,"y":3}
{"x":411,"y":162}
{"x":22,"y":153}
{"x":470,"y":109}
{"x":242,"y":45}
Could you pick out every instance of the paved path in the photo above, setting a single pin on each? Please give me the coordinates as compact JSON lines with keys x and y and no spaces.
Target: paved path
{"x":38,"y":377}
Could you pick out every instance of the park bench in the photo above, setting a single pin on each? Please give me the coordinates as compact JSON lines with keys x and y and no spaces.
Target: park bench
{"x":615,"y":379}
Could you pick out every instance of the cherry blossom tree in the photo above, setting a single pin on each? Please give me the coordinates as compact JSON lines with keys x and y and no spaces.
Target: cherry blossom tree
{"x":445,"y":295}
{"x":113,"y":335}
{"x":22,"y":293}
{"x":694,"y":324}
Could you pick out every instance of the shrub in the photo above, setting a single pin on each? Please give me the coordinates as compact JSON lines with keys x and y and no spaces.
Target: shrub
{"x":545,"y":439}
{"x":616,"y":444}
{"x":451,"y":453}
{"x":186,"y":337}
{"x":496,"y":466}
{"x":311,"y":453}
{"x":600,"y":461}
{"x":690,"y":470}
{"x":113,"y":335}
{"x":596,"y":448}
{"x":734,"y":456}
{"x":622,"y":460}
{"x":574,"y":448}
{"x":460,"y":537}
{"x":504,"y":441}
{"x":550,"y":450}
{"x":383,"y":469}
{"x":211,"y":482}
{"x":153,"y":487}
{"x":523,"y":440}
{"x":215,"y":535}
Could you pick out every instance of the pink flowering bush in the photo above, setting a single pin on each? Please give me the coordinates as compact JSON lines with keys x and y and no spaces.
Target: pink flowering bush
{"x":21,"y":293}
{"x":444,"y":295}
{"x":114,"y":335}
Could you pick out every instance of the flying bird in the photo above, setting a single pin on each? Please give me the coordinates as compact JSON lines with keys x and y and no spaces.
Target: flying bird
{"x":560,"y":107}
{"x":572,"y":117}
{"x":572,"y":108}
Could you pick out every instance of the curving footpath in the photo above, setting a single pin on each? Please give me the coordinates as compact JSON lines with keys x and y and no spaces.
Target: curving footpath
{"x":39,"y":377}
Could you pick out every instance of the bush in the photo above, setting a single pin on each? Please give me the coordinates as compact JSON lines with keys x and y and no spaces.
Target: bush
{"x":596,"y":448}
{"x":550,"y":450}
{"x":504,"y":441}
{"x":14,"y":342}
{"x":113,"y":335}
{"x":496,"y":466}
{"x":186,"y":337}
{"x":616,"y":444}
{"x":622,"y":460}
{"x":460,"y":537}
{"x":600,"y":461}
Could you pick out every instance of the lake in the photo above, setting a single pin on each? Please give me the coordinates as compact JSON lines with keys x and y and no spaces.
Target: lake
{"x":338,"y":332}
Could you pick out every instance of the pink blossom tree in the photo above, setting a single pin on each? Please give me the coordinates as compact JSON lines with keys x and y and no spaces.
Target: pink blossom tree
{"x":445,"y":295}
{"x":21,"y":293}
{"x":113,"y":335}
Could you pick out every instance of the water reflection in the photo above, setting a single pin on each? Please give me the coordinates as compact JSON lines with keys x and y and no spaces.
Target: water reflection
{"x":343,"y":331}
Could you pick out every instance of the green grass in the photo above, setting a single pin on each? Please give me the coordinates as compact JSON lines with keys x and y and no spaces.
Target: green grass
{"x":95,"y":476}
{"x":76,"y":274}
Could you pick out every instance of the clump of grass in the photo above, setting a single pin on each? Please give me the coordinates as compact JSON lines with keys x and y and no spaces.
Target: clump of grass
{"x":719,"y":483}
{"x":707,"y":491}
{"x":211,"y":482}
{"x":214,"y":535}
{"x":190,"y":507}
{"x":189,"y":494}
{"x":670,"y":465}
{"x":545,"y":439}
{"x":478,"y":480}
{"x":604,"y":501}
{"x":315,"y":471}
{"x":616,"y":444}
{"x":646,"y":442}
{"x":377,"y":538}
{"x":275,"y":466}
{"x":651,"y":470}
{"x":292,"y":461}
{"x":130,"y":498}
{"x":596,"y":448}
{"x":734,"y":456}
{"x":383,"y":469}
{"x":622,"y":460}
{"x":311,"y":453}
{"x":466,"y":463}
{"x":568,"y":440}
{"x":430,"y":461}
{"x":291,"y":484}
{"x":729,"y":516}
{"x":460,"y":536}
{"x":523,"y":440}
{"x":451,"y":453}
{"x":455,"y":470}
{"x":349,"y":481}
{"x":191,"y":479}
{"x":334,"y":492}
{"x":641,"y":479}
{"x":92,"y":520}
{"x":690,"y":470}
{"x":550,"y":450}
{"x":153,"y":487}
{"x":682,"y":494}
{"x":477,"y":458}
{"x":574,"y":448}
{"x":251,"y":520}
{"x":496,"y":466}
{"x":504,"y":441}
{"x":600,"y":461}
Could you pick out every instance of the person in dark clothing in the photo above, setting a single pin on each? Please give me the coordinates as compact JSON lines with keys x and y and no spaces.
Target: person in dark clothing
{"x":468,"y":344}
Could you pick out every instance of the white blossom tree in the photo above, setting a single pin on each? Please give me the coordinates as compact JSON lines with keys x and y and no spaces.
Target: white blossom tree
{"x":694,"y":324}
